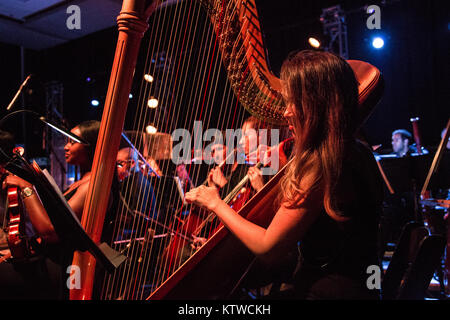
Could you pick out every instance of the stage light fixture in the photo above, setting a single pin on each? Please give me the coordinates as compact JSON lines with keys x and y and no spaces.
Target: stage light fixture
{"x":313,"y":42}
{"x":377,"y":42}
{"x":130,"y":96}
{"x":148,"y":78}
{"x":151,"y":129}
{"x":152,"y":103}
{"x":94,"y":102}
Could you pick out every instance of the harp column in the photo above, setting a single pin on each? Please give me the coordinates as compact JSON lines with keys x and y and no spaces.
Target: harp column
{"x":132,"y":23}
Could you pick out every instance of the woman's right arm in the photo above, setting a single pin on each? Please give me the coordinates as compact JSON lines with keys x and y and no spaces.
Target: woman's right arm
{"x":287,"y":226}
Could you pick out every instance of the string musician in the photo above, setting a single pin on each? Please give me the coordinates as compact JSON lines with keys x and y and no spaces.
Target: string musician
{"x":250,"y":144}
{"x":23,"y":272}
{"x":331,"y":192}
{"x":238,"y":174}
{"x":57,"y":253}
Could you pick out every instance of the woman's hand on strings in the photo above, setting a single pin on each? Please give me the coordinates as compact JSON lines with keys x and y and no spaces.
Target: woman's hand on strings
{"x":255,"y":177}
{"x":203,"y":196}
{"x":198,"y":242}
{"x":216,"y":178}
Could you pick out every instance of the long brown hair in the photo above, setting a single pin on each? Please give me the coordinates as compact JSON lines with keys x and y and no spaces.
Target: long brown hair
{"x":323,"y":89}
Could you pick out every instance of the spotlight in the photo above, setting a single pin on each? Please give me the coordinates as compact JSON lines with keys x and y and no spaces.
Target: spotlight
{"x":151,"y":129}
{"x":152,"y":103}
{"x":94,"y":103}
{"x":314,"y":42}
{"x":148,"y":78}
{"x":88,"y":79}
{"x":130,"y":96}
{"x":377,"y":42}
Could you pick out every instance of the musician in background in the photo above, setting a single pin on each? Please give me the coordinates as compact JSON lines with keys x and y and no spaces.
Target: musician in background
{"x":331,"y":193}
{"x":24,"y":277}
{"x":59,"y":253}
{"x":248,"y":143}
{"x":136,"y":190}
{"x":402,"y":143}
{"x":226,"y":177}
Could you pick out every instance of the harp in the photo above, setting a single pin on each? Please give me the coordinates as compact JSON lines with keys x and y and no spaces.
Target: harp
{"x":229,"y":39}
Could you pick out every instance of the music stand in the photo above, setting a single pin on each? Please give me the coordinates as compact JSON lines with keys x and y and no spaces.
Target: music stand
{"x":406,"y":174}
{"x":64,"y":220}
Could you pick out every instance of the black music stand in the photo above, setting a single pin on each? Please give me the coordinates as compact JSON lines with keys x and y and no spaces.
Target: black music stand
{"x":64,"y":220}
{"x":406,"y":173}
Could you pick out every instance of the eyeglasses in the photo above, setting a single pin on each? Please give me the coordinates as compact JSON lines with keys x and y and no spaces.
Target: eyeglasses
{"x":122,"y":163}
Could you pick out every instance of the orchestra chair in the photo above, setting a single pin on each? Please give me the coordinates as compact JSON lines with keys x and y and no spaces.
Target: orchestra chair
{"x":415,"y":259}
{"x":418,"y":276}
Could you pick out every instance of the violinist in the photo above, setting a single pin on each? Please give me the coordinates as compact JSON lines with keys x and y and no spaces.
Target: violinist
{"x":228,"y":177}
{"x":22,"y":276}
{"x":249,"y":143}
{"x":331,"y":192}
{"x":57,"y":252}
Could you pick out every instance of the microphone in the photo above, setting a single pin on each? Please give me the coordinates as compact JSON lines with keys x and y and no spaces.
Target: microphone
{"x":63,"y":131}
{"x":18,"y":93}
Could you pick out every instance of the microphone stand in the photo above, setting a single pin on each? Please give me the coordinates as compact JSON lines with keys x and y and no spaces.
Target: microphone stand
{"x":14,"y":99}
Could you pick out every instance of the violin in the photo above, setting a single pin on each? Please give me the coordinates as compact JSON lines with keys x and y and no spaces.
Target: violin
{"x":17,"y":243}
{"x":14,"y":209}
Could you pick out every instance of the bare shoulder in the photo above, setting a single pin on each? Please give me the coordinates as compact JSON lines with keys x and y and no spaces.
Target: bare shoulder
{"x":83,"y":187}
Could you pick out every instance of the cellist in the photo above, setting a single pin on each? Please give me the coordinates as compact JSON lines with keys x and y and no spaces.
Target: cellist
{"x":331,"y":192}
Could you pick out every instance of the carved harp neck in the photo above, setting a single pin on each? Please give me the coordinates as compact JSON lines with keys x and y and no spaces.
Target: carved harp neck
{"x":243,"y":53}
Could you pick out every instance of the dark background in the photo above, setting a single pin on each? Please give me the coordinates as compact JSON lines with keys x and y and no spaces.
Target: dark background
{"x":414,"y":63}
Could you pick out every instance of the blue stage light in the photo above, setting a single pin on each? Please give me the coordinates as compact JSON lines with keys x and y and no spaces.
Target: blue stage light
{"x":94,"y":103}
{"x":377,"y":42}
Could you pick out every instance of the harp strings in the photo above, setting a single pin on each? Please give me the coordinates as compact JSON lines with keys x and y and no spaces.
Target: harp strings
{"x":168,"y":100}
{"x":116,"y":285}
{"x":205,"y":93}
{"x":199,"y":78}
{"x":224,"y":117}
{"x":195,"y":74}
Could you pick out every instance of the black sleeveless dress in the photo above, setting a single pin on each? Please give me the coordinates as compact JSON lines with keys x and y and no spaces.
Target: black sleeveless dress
{"x":335,"y":256}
